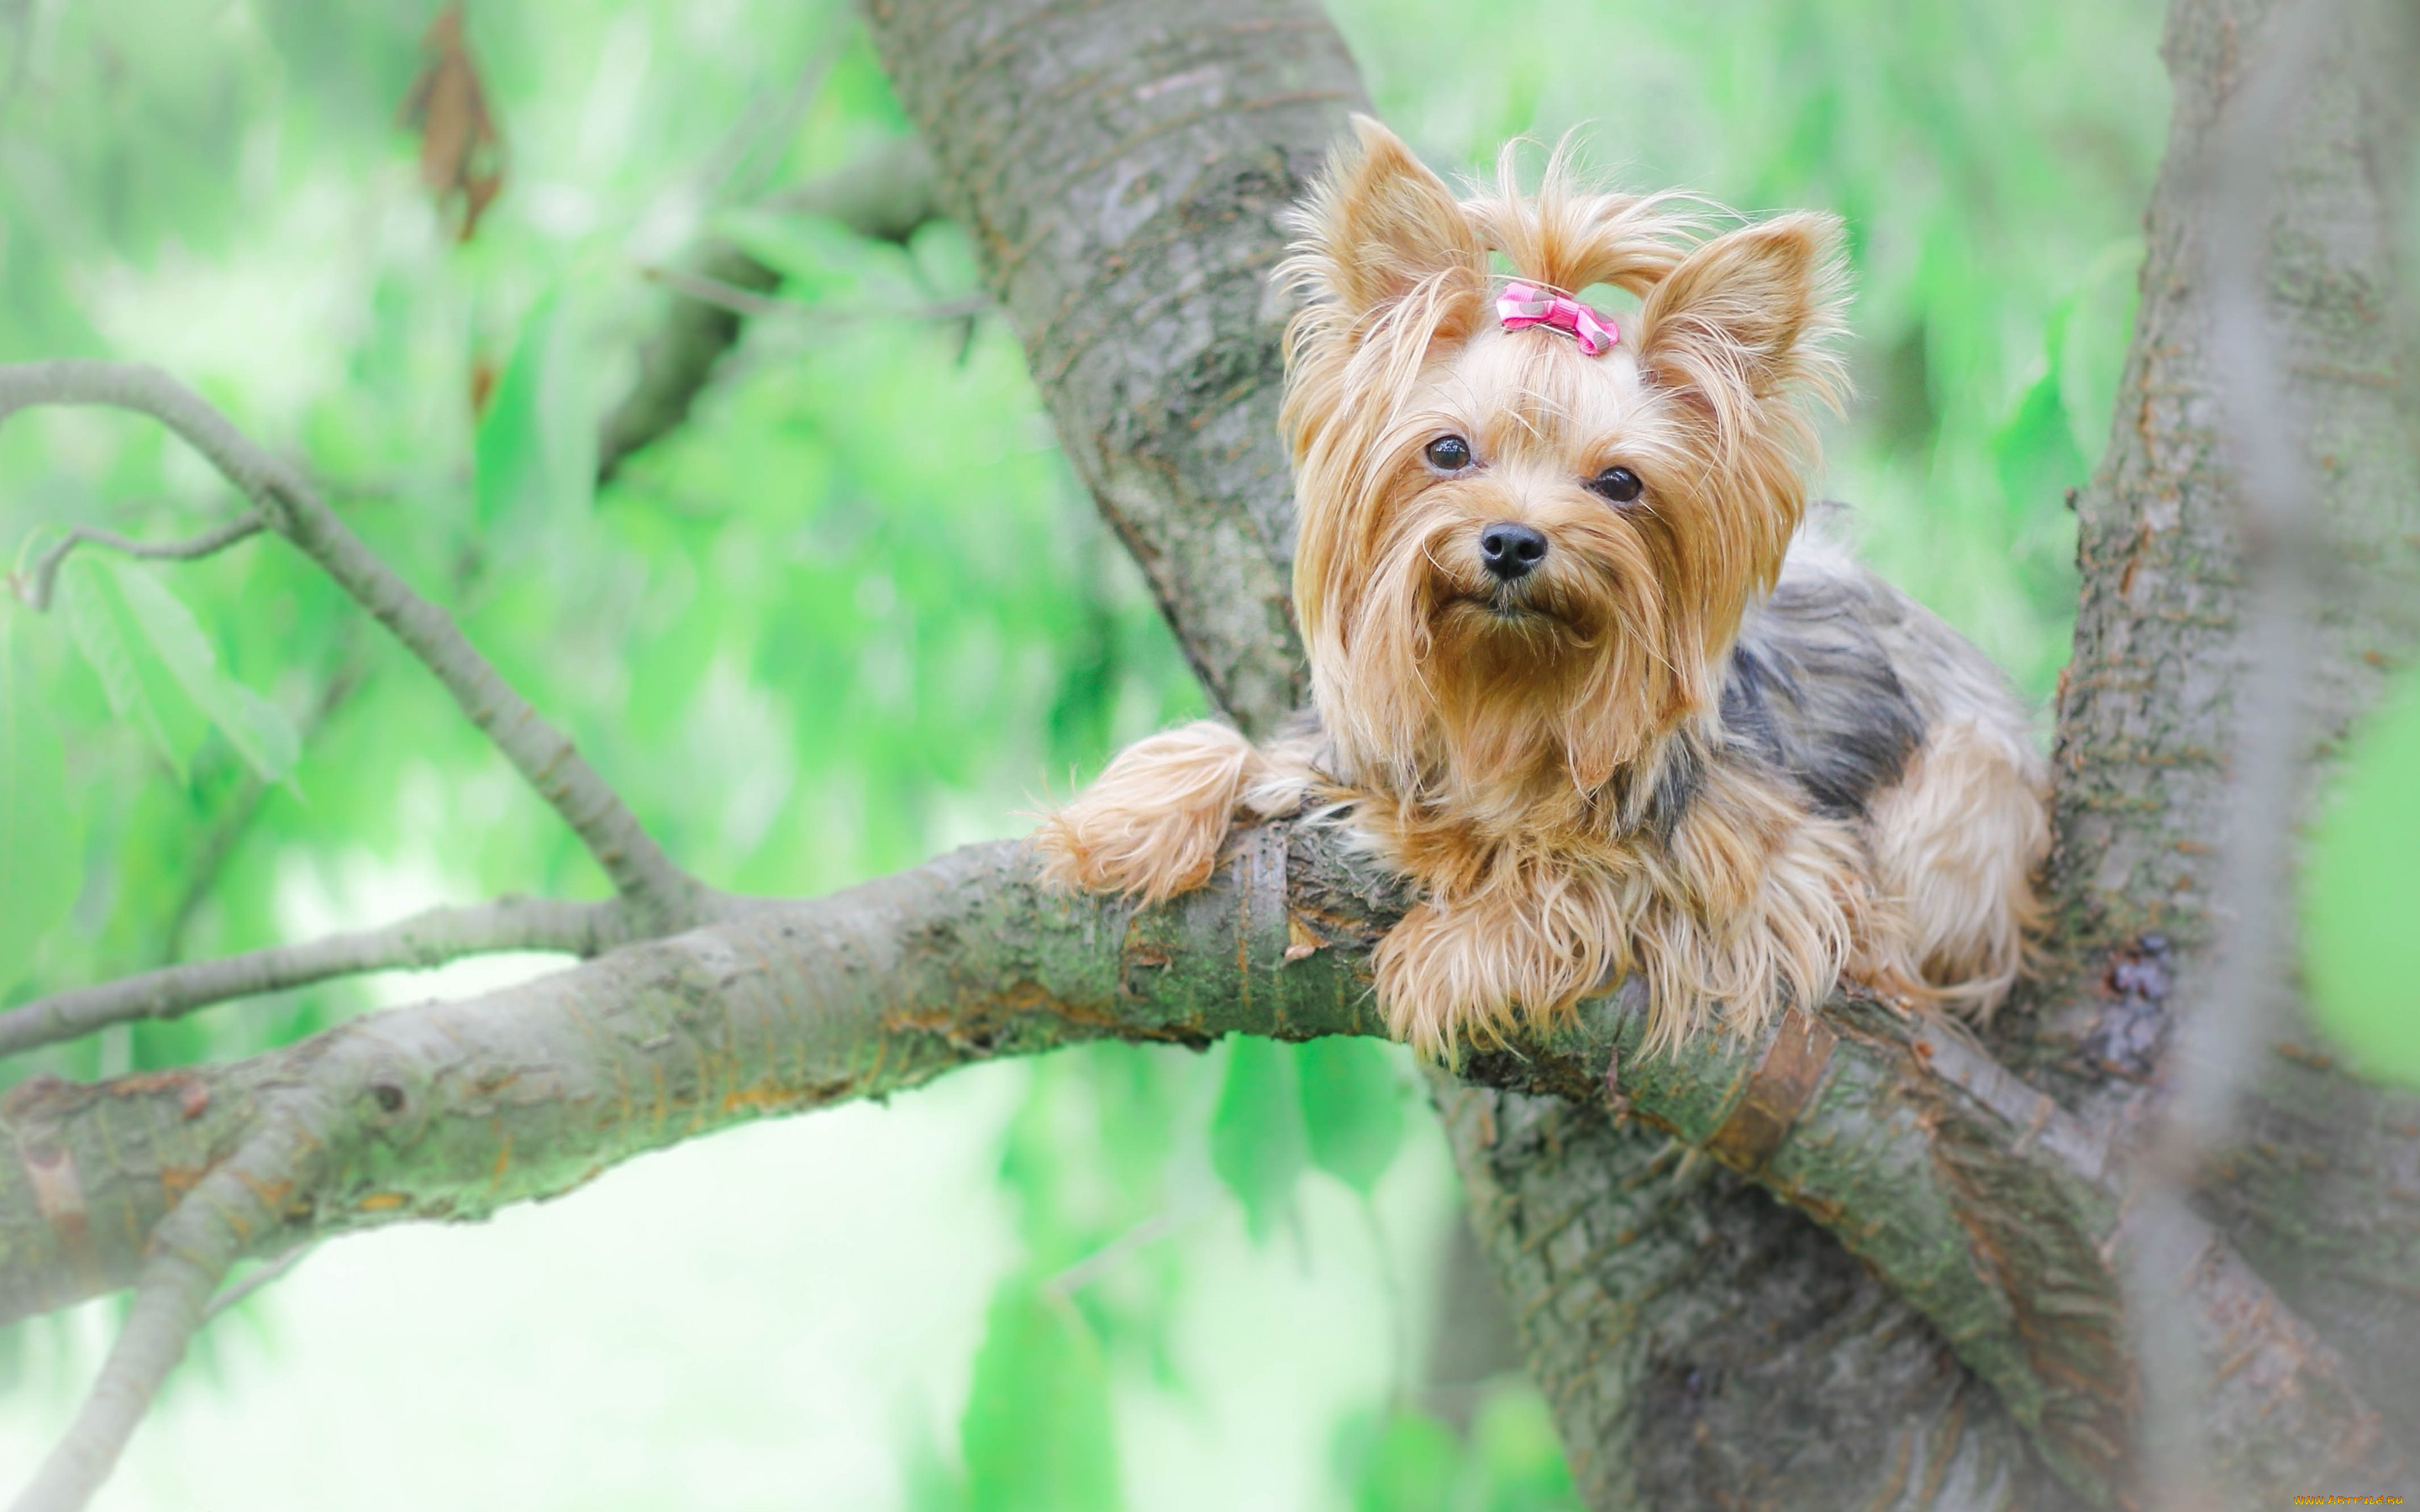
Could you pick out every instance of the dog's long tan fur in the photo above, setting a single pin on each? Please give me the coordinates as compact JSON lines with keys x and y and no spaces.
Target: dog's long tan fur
{"x":1682,"y":745}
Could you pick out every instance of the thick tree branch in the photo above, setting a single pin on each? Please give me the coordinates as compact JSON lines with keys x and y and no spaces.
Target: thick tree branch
{"x":1976,"y":1198}
{"x":424,"y":940}
{"x":641,"y":873}
{"x":885,"y":195}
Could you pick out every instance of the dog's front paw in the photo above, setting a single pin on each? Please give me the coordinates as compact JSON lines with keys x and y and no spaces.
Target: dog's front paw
{"x":1470,"y":974}
{"x":1153,"y":854}
{"x":1153,"y":824}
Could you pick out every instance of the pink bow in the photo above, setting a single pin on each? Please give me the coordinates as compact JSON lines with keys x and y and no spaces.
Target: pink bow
{"x":1526,"y":304}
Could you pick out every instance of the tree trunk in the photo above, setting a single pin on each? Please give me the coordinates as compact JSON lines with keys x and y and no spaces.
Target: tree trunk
{"x":2323,"y":1190}
{"x":1704,"y":1346}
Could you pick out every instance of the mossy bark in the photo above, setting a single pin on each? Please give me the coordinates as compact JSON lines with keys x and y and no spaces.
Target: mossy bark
{"x":1980,"y":1217}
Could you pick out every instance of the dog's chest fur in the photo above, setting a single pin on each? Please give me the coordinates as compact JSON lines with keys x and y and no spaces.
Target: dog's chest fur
{"x":1813,"y":719}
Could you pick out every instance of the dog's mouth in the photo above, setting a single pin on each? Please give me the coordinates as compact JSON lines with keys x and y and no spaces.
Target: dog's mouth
{"x":1513,"y":608}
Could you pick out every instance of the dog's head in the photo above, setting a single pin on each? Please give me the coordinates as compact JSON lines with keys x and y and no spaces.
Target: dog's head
{"x":1519,"y":562}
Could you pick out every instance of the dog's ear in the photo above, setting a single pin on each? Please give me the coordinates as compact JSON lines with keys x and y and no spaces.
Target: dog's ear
{"x":1379,"y":223}
{"x":1749,"y":315}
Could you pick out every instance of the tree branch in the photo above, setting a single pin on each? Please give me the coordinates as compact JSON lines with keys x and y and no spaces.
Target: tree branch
{"x":189,"y":1255}
{"x":36,"y":589}
{"x":885,"y":195}
{"x":422,"y":941}
{"x":257,"y":1283}
{"x":640,"y":870}
{"x":1974,"y":1197}
{"x":743,"y":302}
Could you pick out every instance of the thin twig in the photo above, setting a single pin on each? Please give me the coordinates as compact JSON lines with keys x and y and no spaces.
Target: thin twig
{"x":424,"y":940}
{"x":2278,"y":526}
{"x":749,"y":302}
{"x":1141,"y":1236}
{"x":191,"y":1253}
{"x":38,"y":589}
{"x":640,"y":869}
{"x":259,"y":1281}
{"x":776,"y":122}
{"x":883,"y":196}
{"x":199,"y":875}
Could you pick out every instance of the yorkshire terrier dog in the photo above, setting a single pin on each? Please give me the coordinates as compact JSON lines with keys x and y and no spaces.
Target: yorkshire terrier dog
{"x":1577,"y":673}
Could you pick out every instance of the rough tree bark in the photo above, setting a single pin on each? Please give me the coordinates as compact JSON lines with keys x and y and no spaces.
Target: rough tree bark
{"x":1926,"y":1318}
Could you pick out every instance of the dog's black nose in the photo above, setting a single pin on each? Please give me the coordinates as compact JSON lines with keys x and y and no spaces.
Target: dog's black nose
{"x":1510,"y":551}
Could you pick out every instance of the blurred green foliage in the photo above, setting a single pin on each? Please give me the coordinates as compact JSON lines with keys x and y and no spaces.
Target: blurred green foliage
{"x":1407,"y":1460}
{"x":856,"y":611}
{"x":2361,"y":952}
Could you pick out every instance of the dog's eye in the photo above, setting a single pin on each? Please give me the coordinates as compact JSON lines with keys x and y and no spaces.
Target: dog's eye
{"x":1448,"y":454}
{"x":1618,"y":486}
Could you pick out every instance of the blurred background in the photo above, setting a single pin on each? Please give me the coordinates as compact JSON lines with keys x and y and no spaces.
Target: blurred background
{"x":1148,"y":1278}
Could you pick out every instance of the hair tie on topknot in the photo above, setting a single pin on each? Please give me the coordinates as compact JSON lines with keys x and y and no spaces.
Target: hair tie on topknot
{"x":1522,"y":305}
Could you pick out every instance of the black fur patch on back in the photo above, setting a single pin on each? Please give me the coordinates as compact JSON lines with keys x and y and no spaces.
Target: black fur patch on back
{"x":1676,"y":786}
{"x":1810,"y":690}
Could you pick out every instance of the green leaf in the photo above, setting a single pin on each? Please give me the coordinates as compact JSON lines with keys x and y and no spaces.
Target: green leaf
{"x":1037,"y":1435}
{"x":257,"y":729}
{"x":534,"y":457}
{"x":1404,"y":1461}
{"x":1352,"y":1108}
{"x":41,"y":863}
{"x":139,"y":691}
{"x":2362,"y":954}
{"x":1517,"y":1455}
{"x":2035,"y":451}
{"x":1256,"y":1133}
{"x":928,"y":1482}
{"x":2092,"y":356}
